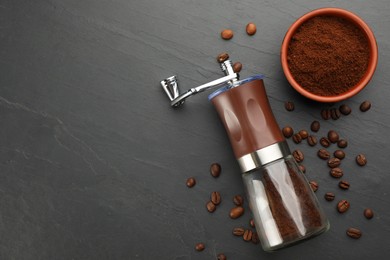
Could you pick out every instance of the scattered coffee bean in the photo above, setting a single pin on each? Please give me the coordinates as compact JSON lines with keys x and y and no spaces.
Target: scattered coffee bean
{"x":199,"y":247}
{"x":191,"y":182}
{"x":287,"y":131}
{"x":238,"y":231}
{"x":329,"y":196}
{"x":361,"y":160}
{"x":335,"y":113}
{"x":343,"y":206}
{"x":315,"y":126}
{"x":227,"y":34}
{"x":237,"y":67}
{"x":365,"y":106}
{"x":311,"y":140}
{"x":323,"y":154}
{"x":354,"y":233}
{"x":236,"y":212}
{"x":247,"y":235}
{"x":336,"y":172}
{"x":222,"y":57}
{"x":210,"y":207}
{"x":297,"y":138}
{"x":252,"y":223}
{"x":339,"y":154}
{"x":342,"y":143}
{"x":313,"y":185}
{"x":324,"y":142}
{"x":334,"y":162}
{"x":298,"y":156}
{"x":255,"y":238}
{"x":325,"y":114}
{"x":289,"y":106}
{"x":333,"y":136}
{"x":345,"y":110}
{"x":344,"y":185}
{"x":238,"y":200}
{"x":251,"y":29}
{"x":221,"y":257}
{"x":215,"y":170}
{"x":302,"y":168}
{"x":216,"y":197}
{"x":304,"y":134}
{"x":368,"y":213}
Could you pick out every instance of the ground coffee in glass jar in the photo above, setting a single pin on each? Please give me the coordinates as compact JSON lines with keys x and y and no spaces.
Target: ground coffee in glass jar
{"x":328,"y":55}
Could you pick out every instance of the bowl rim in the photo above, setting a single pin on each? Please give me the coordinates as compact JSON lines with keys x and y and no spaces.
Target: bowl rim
{"x":332,"y":11}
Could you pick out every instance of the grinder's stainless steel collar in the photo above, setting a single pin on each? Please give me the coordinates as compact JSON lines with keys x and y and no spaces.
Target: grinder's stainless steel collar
{"x":171,"y":87}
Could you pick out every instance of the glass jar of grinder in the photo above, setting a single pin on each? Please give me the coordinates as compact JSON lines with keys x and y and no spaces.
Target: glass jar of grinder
{"x":284,"y":207}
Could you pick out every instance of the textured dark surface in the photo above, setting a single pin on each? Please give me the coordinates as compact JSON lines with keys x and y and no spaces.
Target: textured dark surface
{"x":93,"y":161}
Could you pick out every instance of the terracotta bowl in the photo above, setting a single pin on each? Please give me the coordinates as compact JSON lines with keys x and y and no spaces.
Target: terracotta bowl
{"x":348,"y":16}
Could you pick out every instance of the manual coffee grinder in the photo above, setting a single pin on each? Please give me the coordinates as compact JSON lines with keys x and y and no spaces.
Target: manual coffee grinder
{"x":284,"y":207}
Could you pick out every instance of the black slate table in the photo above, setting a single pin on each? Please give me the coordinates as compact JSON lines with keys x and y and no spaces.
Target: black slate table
{"x":93,"y":161}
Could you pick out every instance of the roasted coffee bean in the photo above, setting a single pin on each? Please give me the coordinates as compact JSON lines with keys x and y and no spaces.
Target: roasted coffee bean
{"x":289,"y":106}
{"x":297,"y":138}
{"x":191,"y":182}
{"x":336,"y":172}
{"x":315,"y":126}
{"x":236,"y":212}
{"x":335,"y":113}
{"x":302,"y":168}
{"x":199,"y":247}
{"x":361,"y":160}
{"x":365,"y":106}
{"x":345,"y":110}
{"x":339,"y":154}
{"x":287,"y":131}
{"x":342,"y":143}
{"x":237,"y":67}
{"x":368,"y":213}
{"x":255,"y":238}
{"x":334,"y":162}
{"x":354,"y":233}
{"x":210,"y":207}
{"x":324,"y":142}
{"x":222,"y":57}
{"x":344,"y":185}
{"x":343,"y":206}
{"x":251,"y":29}
{"x":247,"y":235}
{"x":238,"y":231}
{"x":329,"y":196}
{"x":227,"y":34}
{"x":238,"y":200}
{"x":216,"y":197}
{"x":215,"y":170}
{"x":304,"y":134}
{"x":325,"y":114}
{"x":298,"y":156}
{"x":311,"y":140}
{"x":252,"y":223}
{"x":313,"y":185}
{"x":323,"y":154}
{"x":333,"y":136}
{"x":221,"y":257}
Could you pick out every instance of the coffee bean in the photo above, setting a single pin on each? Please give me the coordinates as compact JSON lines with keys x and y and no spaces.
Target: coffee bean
{"x":325,"y":114}
{"x":333,"y":136}
{"x":343,"y":206}
{"x":215,"y":170}
{"x":216,"y":197}
{"x":336,"y":172}
{"x":289,"y":106}
{"x":345,"y":110}
{"x":361,"y":160}
{"x":344,"y":185}
{"x":238,"y":200}
{"x":302,"y":168}
{"x":354,"y":233}
{"x":199,"y":247}
{"x":365,"y":106}
{"x":210,"y":207}
{"x":323,"y":154}
{"x":339,"y":154}
{"x":252,"y":223}
{"x":324,"y":142}
{"x":335,"y":113}
{"x":304,"y":134}
{"x":315,"y":126}
{"x":329,"y":196}
{"x":221,"y":257}
{"x":298,"y":156}
{"x":334,"y":162}
{"x":247,"y":235}
{"x":238,"y":231}
{"x":342,"y":143}
{"x":313,"y":185}
{"x":227,"y":34}
{"x":237,"y":67}
{"x":297,"y":138}
{"x":311,"y":140}
{"x":287,"y":131}
{"x":251,"y":29}
{"x":222,"y":57}
{"x":368,"y":213}
{"x":255,"y":238}
{"x":191,"y":182}
{"x":236,"y":212}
